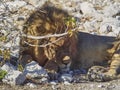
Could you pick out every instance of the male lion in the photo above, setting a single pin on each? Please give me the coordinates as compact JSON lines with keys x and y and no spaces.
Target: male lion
{"x":97,"y":51}
{"x":82,"y":49}
{"x":50,"y":52}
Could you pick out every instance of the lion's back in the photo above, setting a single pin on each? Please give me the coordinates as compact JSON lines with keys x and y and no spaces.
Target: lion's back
{"x":92,"y":50}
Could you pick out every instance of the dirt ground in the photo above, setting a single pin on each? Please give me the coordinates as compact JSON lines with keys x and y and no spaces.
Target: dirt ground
{"x":112,"y":85}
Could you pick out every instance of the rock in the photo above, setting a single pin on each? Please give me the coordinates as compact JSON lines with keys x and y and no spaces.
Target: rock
{"x":8,"y":67}
{"x":118,"y":17}
{"x":78,"y":78}
{"x":91,"y":26}
{"x":67,"y":83}
{"x":88,"y":26}
{"x":31,"y":85}
{"x":110,"y":25}
{"x":53,"y":87}
{"x":66,"y":77}
{"x":43,"y":80}
{"x":53,"y":82}
{"x":3,"y":31}
{"x":92,"y":85}
{"x":87,"y":8}
{"x":36,"y":3}
{"x":14,"y":5}
{"x":111,"y":10}
{"x":35,"y":71}
{"x":101,"y":3}
{"x":98,"y":17}
{"x":101,"y":86}
{"x":8,"y":45}
{"x":14,"y":77}
{"x":71,"y":72}
{"x":105,"y":28}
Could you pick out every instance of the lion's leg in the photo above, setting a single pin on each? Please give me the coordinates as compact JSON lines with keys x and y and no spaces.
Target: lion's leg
{"x":115,"y":62}
{"x":114,"y":66}
{"x":99,"y":73}
{"x":52,"y":68}
{"x":24,"y":59}
{"x":51,"y":65}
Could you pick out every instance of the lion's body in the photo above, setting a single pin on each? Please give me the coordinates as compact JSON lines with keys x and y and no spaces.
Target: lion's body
{"x":84,"y":49}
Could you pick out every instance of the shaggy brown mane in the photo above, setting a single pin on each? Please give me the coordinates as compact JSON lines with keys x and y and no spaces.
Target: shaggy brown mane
{"x":47,"y":20}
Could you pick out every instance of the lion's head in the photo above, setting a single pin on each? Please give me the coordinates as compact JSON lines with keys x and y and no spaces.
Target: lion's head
{"x":45,"y":22}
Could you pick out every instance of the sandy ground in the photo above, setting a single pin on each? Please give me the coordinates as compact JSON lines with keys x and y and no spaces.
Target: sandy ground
{"x":112,"y":85}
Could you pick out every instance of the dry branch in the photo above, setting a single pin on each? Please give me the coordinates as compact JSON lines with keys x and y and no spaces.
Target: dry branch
{"x":47,"y":36}
{"x":44,"y":45}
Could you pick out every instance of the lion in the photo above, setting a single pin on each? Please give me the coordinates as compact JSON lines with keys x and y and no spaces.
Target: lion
{"x":52,"y":52}
{"x":81,"y":50}
{"x":95,"y":53}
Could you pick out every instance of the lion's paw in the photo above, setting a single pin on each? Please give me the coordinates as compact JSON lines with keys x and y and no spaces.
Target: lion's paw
{"x":53,"y":75}
{"x":52,"y":69}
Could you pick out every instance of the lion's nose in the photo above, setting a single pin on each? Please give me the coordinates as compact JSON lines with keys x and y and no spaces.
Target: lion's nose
{"x":66,"y":60}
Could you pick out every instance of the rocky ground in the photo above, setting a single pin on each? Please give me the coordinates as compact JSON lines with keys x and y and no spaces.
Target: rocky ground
{"x":112,"y":85}
{"x":101,"y":17}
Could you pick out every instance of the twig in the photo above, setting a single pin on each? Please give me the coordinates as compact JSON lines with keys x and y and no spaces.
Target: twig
{"x":44,"y":44}
{"x":46,"y":36}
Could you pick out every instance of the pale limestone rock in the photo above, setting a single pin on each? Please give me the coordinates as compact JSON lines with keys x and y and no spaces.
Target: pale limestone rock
{"x":110,"y":25}
{"x":36,"y":3}
{"x":66,"y":78}
{"x":87,"y":9}
{"x":14,"y":77}
{"x":111,"y":10}
{"x":8,"y":67}
{"x":33,"y":69}
{"x":31,"y":85}
{"x":14,"y":5}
